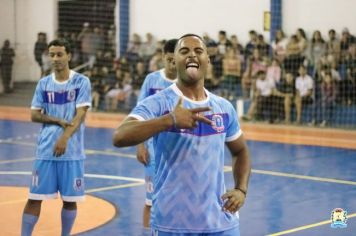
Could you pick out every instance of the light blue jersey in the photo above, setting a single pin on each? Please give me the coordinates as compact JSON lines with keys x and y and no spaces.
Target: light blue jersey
{"x":60,"y":100}
{"x":154,"y":82}
{"x":189,"y":179}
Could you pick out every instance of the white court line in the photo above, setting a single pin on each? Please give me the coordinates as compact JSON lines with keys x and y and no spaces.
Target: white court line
{"x":17,"y":160}
{"x":307,"y":177}
{"x":85,"y":175}
{"x":114,"y":187}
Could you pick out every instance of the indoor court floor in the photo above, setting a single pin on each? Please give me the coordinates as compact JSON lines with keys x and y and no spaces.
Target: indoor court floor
{"x":299,"y":175}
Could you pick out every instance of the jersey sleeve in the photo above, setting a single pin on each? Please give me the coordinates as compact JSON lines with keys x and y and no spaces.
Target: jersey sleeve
{"x":233,"y":131}
{"x":84,"y":94}
{"x":37,"y":100}
{"x":148,"y":108}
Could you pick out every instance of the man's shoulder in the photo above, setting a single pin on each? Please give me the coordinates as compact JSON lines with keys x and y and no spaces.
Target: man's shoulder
{"x":154,"y":74}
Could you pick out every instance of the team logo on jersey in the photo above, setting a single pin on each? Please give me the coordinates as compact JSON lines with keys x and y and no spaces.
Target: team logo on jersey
{"x":217,"y":123}
{"x":35,"y":178}
{"x":71,"y":95}
{"x":338,"y":218}
{"x":78,"y":184}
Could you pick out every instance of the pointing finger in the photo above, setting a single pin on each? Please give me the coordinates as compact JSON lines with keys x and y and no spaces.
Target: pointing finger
{"x":203,"y":119}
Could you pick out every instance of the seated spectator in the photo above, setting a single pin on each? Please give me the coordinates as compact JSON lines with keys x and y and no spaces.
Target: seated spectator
{"x":262,"y":100}
{"x":328,"y":96}
{"x":285,"y":93}
{"x":120,"y":93}
{"x":264,"y":94}
{"x":274,"y":71}
{"x":304,"y":85}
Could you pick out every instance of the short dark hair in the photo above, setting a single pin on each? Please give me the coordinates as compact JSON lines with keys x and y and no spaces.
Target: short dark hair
{"x":61,"y":43}
{"x":190,"y":35}
{"x":170,"y":45}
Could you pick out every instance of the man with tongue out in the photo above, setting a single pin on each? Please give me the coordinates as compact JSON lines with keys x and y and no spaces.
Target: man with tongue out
{"x":190,"y":127}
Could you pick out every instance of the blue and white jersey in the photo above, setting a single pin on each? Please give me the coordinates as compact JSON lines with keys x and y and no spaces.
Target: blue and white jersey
{"x":60,"y":100}
{"x":189,"y":180}
{"x":153,"y":83}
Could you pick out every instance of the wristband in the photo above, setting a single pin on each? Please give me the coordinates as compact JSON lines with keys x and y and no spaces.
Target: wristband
{"x":173,"y":118}
{"x":242,"y":191}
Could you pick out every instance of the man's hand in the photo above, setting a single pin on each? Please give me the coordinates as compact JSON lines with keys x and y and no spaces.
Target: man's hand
{"x":60,"y":146}
{"x":142,"y":154}
{"x":64,"y":124}
{"x":234,"y":200}
{"x":189,"y":118}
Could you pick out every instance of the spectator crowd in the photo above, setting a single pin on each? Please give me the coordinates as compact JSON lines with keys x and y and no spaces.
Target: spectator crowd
{"x":289,"y":73}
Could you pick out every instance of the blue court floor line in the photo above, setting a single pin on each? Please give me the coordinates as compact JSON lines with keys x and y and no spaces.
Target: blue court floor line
{"x":304,"y":227}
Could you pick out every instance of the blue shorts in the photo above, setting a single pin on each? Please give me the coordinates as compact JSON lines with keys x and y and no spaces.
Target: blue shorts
{"x":230,"y":232}
{"x":149,"y":175}
{"x":49,"y":177}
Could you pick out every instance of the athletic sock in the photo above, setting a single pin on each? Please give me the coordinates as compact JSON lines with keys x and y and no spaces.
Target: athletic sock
{"x":28,"y":223}
{"x":68,"y":217}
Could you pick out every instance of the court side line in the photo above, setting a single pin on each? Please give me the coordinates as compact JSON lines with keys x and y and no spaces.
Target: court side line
{"x":114,"y":177}
{"x":274,"y":173}
{"x":85,"y":175}
{"x":87,"y":151}
{"x":114,"y":187}
{"x":17,"y":160}
{"x":119,"y":154}
{"x":307,"y":226}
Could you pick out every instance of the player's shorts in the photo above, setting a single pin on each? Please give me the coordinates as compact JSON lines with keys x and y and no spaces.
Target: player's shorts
{"x":230,"y":232}
{"x":49,"y":177}
{"x":149,"y":175}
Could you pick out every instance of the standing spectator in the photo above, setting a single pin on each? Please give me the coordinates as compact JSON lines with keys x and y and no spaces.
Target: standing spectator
{"x":333,"y":46}
{"x":40,"y":47}
{"x":317,"y":50}
{"x":252,"y":44}
{"x":85,"y":37}
{"x":231,"y":74}
{"x":279,"y":46}
{"x":304,"y":86}
{"x":264,"y":48}
{"x":328,"y":98}
{"x":346,"y":41}
{"x":303,"y":43}
{"x":46,"y":63}
{"x":293,"y":58}
{"x":147,"y":48}
{"x":7,"y":55}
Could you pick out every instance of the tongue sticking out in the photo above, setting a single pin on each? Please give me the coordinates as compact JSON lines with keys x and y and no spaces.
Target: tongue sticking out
{"x":192,"y":72}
